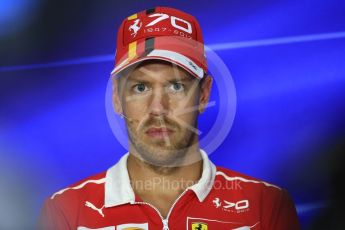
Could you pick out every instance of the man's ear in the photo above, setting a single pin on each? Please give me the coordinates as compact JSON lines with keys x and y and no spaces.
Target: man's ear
{"x":116,"y":96}
{"x":205,"y":92}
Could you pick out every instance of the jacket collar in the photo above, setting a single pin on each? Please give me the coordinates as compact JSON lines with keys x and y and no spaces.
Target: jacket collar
{"x":118,"y":188}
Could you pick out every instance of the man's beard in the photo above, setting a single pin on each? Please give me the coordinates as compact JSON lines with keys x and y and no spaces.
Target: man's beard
{"x":166,"y":152}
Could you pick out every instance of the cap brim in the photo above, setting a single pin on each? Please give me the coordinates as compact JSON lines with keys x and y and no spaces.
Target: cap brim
{"x":165,"y":55}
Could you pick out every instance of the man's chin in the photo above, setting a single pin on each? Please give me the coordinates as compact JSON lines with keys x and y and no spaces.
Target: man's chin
{"x":169,"y":152}
{"x":160,"y":155}
{"x":161,"y":144}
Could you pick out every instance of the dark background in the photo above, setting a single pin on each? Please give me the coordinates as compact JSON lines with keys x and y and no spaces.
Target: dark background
{"x":286,"y":59}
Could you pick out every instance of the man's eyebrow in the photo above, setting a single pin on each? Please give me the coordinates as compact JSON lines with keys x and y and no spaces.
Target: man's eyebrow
{"x":184,"y":78}
{"x":137,"y":79}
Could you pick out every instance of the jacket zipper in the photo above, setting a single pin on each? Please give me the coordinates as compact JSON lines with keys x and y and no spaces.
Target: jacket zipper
{"x":164,"y":221}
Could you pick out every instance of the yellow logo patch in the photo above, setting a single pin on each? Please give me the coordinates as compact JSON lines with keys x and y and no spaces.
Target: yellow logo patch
{"x":199,"y":226}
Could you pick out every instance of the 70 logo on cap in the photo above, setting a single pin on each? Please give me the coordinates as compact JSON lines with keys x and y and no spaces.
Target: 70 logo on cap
{"x":173,"y":20}
{"x":159,"y":24}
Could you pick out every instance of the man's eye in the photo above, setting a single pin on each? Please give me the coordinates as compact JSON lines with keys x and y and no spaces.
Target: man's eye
{"x":140,"y":88}
{"x":176,"y":87}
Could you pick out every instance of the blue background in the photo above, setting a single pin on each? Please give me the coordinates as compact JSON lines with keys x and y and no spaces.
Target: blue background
{"x":286,"y":58}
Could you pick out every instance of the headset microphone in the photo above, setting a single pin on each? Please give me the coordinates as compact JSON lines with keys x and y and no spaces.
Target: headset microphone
{"x":127,"y":118}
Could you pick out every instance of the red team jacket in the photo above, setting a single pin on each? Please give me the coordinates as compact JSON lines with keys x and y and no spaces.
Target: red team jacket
{"x":222,"y":199}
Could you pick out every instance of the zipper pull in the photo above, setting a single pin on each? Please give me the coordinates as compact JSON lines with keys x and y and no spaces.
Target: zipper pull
{"x":165,"y":224}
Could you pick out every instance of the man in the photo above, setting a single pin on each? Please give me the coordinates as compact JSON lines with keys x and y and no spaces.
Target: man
{"x":160,"y":86}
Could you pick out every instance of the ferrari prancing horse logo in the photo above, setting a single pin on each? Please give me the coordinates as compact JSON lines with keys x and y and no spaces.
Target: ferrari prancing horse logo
{"x":135,"y":27}
{"x":199,"y":226}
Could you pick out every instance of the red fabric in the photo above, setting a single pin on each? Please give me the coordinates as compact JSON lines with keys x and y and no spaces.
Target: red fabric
{"x":255,"y":205}
{"x":172,"y":29}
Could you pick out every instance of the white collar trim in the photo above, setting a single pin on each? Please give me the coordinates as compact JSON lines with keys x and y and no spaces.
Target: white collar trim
{"x":118,"y":188}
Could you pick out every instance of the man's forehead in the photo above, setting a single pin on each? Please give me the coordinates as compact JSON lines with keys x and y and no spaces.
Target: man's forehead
{"x":158,"y":71}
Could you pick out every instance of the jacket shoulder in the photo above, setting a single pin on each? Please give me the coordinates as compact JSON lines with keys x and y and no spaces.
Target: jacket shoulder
{"x":226,"y":175}
{"x":81,"y":188}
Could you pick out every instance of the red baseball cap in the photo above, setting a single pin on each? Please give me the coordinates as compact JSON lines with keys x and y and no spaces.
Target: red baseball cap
{"x":161,"y":33}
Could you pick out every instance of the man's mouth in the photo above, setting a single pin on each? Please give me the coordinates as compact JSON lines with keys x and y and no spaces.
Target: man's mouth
{"x":159,"y":132}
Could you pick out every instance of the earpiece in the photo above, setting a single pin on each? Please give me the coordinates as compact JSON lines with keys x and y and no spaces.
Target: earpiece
{"x":127,"y":118}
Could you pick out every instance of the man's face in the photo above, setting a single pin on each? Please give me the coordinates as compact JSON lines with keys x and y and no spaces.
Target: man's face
{"x":161,"y":103}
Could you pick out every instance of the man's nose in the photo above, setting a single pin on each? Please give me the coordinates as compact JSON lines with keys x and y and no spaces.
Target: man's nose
{"x":159,"y":103}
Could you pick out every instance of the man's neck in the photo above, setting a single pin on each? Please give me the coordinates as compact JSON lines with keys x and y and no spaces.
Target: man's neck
{"x":188,"y":171}
{"x":161,"y":185}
